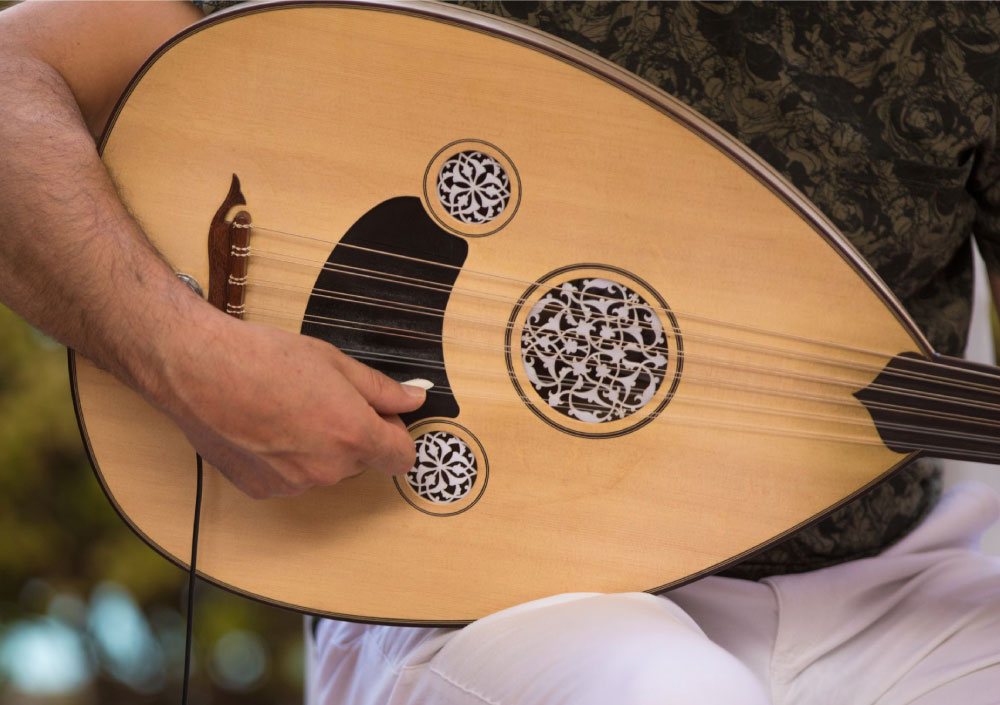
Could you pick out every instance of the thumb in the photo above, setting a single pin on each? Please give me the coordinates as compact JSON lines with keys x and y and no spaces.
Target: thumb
{"x":386,"y":395}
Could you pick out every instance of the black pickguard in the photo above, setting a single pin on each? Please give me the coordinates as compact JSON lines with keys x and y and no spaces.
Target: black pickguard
{"x":360,"y":293}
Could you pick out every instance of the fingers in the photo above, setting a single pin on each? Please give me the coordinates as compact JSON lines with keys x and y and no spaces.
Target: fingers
{"x":385,"y":395}
{"x":393,"y":450}
{"x":390,"y":447}
{"x":332,"y":419}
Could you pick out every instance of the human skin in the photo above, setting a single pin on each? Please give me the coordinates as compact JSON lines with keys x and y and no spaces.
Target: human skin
{"x":276,"y":412}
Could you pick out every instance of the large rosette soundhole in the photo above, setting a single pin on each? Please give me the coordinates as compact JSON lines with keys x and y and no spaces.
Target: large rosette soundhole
{"x":594,"y":350}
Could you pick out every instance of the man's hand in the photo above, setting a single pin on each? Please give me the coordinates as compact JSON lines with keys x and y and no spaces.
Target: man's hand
{"x":278,"y":413}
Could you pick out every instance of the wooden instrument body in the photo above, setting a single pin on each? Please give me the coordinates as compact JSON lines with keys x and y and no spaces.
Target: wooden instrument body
{"x":325,"y":112}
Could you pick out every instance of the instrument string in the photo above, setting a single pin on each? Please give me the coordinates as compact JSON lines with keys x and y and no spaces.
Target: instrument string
{"x":322,"y":264}
{"x":986,"y":456}
{"x":935,"y":416}
{"x":432,"y":312}
{"x":696,"y":400}
{"x":785,"y":431}
{"x":379,"y":329}
{"x":422,"y":336}
{"x":411,"y":362}
{"x":356,"y":271}
{"x":526,"y":283}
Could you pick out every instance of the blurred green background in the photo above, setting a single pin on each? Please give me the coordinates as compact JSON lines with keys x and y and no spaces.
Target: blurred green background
{"x":89,"y":613}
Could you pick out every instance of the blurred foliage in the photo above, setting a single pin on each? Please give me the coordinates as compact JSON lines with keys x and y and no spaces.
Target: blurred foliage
{"x":62,"y":539}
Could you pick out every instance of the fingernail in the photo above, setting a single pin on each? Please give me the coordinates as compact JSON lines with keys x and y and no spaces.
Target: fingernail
{"x":417,"y":386}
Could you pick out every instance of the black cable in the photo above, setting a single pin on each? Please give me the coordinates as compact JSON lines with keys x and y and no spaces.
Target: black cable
{"x":191,"y":581}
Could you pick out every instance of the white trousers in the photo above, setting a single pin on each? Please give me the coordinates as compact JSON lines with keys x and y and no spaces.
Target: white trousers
{"x":917,"y":624}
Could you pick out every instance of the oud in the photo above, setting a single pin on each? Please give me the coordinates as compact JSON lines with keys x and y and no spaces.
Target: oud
{"x":652,"y":357}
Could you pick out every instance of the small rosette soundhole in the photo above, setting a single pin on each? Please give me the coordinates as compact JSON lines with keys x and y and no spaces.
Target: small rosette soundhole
{"x":450,"y":471}
{"x":445,"y":469}
{"x":473,"y":187}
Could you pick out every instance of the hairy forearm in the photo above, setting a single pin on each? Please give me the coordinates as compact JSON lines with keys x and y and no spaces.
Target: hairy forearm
{"x":75,"y":264}
{"x":72,"y":261}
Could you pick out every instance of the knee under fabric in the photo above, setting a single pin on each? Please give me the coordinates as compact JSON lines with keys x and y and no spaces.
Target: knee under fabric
{"x":580,"y":649}
{"x":916,"y":624}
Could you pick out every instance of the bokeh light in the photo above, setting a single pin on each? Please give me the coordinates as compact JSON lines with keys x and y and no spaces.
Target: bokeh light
{"x":124,"y":640}
{"x":44,"y":656}
{"x":239,"y":660}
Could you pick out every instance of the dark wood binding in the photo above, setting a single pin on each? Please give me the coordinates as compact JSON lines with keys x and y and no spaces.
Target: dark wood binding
{"x":220,"y":247}
{"x":945,"y":407}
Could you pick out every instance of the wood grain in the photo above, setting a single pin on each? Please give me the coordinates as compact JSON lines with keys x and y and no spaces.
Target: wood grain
{"x":326,"y":111}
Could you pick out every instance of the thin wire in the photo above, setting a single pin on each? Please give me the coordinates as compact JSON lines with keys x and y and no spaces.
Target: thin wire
{"x":344,"y":323}
{"x":526,"y":283}
{"x":405,"y":333}
{"x":438,"y":287}
{"x":316,"y":318}
{"x":192,"y":574}
{"x":909,"y":447}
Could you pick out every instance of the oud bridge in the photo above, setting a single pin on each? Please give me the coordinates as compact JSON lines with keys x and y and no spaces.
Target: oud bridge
{"x":229,"y":253}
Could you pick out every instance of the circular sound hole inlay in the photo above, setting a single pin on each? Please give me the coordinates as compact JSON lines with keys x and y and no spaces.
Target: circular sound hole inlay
{"x":445,"y":469}
{"x":594,"y":350}
{"x":473,"y":187}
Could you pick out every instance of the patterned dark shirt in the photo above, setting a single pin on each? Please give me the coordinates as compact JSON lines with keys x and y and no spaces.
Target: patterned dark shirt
{"x":884,"y":115}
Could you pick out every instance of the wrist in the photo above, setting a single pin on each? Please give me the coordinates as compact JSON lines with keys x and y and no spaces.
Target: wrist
{"x":175,"y":332}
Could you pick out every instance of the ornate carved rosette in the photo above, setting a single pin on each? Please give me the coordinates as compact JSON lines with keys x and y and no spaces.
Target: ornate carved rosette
{"x":472,"y":188}
{"x":445,"y":468}
{"x":594,"y":350}
{"x":450,"y":471}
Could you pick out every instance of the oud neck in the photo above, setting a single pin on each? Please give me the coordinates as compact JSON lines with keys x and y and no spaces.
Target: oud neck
{"x":942,"y":406}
